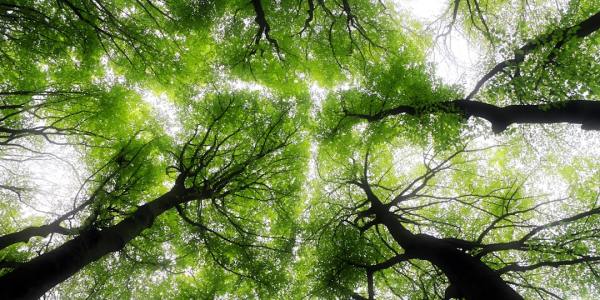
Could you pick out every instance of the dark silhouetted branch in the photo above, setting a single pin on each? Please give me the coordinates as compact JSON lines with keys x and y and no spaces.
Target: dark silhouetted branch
{"x":580,"y":30}
{"x":584,"y":112}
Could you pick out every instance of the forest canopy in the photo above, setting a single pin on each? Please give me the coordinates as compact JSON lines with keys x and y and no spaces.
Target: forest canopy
{"x":306,"y":149}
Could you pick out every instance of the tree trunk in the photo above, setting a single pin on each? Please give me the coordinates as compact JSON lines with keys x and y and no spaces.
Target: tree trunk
{"x":469,"y":277}
{"x":584,"y":112}
{"x":34,"y":278}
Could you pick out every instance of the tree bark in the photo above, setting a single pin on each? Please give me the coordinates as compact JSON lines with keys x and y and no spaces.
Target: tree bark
{"x":469,"y":277}
{"x":584,"y":112}
{"x":29,"y":232}
{"x":34,"y":278}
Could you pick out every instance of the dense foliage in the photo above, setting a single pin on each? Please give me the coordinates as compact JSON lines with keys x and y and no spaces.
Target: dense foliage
{"x":298,"y":149}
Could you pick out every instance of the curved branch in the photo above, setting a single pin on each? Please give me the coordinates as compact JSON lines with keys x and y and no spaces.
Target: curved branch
{"x":264,"y":29}
{"x":580,"y":30}
{"x":518,"y":268}
{"x":29,"y":232}
{"x":521,"y":243}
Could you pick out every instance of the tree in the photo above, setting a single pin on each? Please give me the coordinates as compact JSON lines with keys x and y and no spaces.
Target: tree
{"x":253,"y":149}
{"x":391,"y":223}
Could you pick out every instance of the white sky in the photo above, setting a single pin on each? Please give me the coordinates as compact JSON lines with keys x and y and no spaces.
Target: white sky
{"x":453,"y":57}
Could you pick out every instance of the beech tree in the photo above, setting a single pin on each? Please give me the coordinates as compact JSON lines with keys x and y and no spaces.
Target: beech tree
{"x":297,"y":149}
{"x":449,"y":229}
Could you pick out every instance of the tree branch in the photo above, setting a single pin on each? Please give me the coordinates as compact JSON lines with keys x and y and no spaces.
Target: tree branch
{"x":584,"y":112}
{"x":580,"y":30}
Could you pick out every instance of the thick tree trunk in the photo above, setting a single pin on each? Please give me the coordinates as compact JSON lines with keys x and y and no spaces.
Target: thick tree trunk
{"x":469,"y":277}
{"x":32,"y":279}
{"x":584,"y":112}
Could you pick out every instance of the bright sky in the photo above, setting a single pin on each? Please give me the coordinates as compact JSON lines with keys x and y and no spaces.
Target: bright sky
{"x":453,"y":57}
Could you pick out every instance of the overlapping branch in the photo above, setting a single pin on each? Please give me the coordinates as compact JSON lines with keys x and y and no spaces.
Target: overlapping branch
{"x":584,"y":112}
{"x":400,"y":208}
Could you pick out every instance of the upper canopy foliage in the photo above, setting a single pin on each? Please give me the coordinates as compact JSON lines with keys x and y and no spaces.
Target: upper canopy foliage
{"x":297,"y":149}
